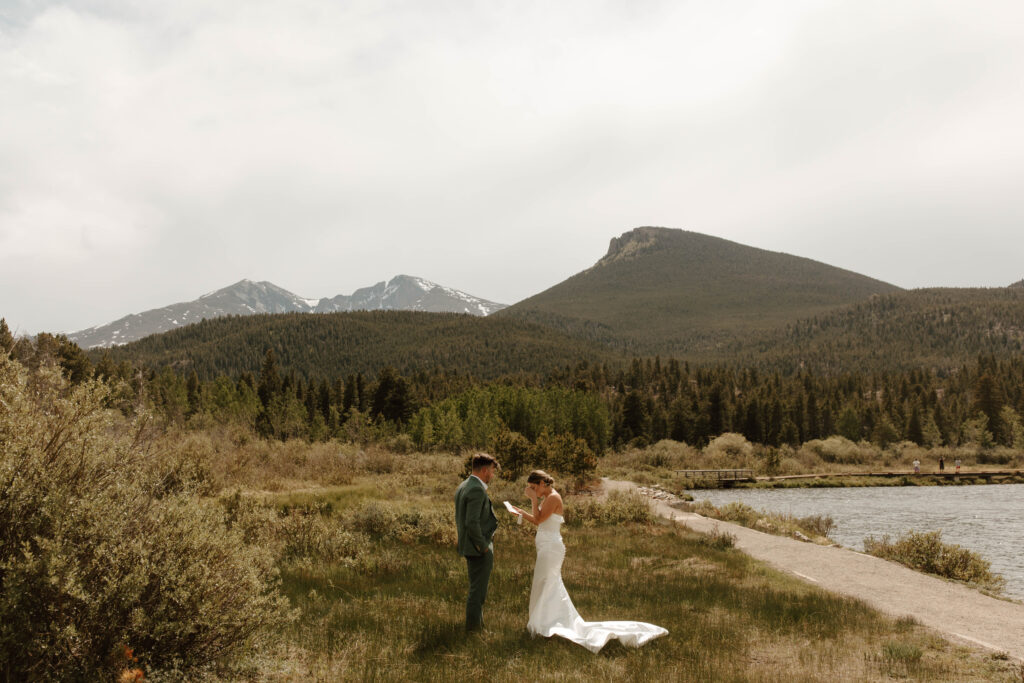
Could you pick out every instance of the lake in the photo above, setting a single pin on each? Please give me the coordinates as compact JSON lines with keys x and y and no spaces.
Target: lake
{"x":986,"y":519}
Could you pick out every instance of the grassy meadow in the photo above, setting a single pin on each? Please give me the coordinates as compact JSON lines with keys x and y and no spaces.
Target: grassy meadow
{"x":129,"y":545}
{"x":365,"y":543}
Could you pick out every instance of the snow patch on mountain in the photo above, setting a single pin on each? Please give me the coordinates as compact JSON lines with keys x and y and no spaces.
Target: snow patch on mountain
{"x":246,"y":297}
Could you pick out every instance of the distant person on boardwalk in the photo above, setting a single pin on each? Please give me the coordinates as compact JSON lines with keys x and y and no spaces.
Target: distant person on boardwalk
{"x":476,"y":524}
{"x":958,"y":465}
{"x":917,"y":467}
{"x":942,"y":464}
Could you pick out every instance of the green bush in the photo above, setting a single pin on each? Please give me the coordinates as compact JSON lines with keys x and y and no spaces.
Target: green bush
{"x":837,"y":449}
{"x":925,"y":552}
{"x":98,"y":553}
{"x":718,"y":539}
{"x":618,"y":508}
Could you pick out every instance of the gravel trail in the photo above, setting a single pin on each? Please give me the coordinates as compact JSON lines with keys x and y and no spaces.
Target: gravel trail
{"x":959,"y":613}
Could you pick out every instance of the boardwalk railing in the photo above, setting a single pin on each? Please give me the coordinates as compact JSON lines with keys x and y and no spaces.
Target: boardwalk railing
{"x":719,"y":475}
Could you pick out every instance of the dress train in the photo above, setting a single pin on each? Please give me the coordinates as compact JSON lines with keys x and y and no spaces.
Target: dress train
{"x":552,"y":612}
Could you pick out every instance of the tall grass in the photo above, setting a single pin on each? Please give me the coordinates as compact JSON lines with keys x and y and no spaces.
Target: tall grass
{"x":815,"y":527}
{"x":172,"y":544}
{"x":390,"y":606}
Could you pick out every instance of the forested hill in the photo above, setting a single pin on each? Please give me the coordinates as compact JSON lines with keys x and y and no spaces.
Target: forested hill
{"x":332,"y":345}
{"x":933,"y":329}
{"x":928,"y":329}
{"x":675,"y":292}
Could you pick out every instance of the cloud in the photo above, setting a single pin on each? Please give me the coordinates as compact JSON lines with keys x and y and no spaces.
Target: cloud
{"x":155,"y":151}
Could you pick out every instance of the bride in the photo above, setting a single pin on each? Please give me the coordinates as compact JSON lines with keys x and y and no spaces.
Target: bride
{"x":551,"y":610}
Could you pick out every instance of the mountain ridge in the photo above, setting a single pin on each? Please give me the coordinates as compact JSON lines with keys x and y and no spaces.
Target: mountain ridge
{"x":246,"y":297}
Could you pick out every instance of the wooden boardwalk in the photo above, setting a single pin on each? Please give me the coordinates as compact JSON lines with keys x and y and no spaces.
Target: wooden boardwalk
{"x":727,"y":477}
{"x":988,"y":475}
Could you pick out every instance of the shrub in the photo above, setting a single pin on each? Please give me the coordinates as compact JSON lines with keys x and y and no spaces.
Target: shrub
{"x":718,"y":539}
{"x":925,"y":551}
{"x":779,"y":524}
{"x":513,"y":451}
{"x":312,"y":536}
{"x":838,"y":449}
{"x":400,"y":443}
{"x":618,"y":508}
{"x":373,"y":518}
{"x":97,"y":553}
{"x":565,"y":454}
{"x":822,"y":525}
{"x":729,"y":449}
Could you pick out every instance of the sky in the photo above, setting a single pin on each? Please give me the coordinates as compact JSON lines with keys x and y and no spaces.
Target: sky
{"x":151,"y":152}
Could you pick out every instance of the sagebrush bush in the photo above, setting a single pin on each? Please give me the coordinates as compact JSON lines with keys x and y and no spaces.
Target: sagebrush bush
{"x":838,"y":449}
{"x":925,"y":551}
{"x":98,"y":551}
{"x":772,"y":523}
{"x":619,"y":507}
{"x":729,"y":450}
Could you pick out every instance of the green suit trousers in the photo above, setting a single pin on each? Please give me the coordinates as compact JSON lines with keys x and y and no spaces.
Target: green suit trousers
{"x":479,"y":574}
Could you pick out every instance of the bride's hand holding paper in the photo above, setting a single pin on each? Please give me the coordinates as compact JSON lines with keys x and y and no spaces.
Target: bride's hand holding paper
{"x":515,"y":511}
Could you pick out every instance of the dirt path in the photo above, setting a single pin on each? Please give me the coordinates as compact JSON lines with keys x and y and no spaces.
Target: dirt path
{"x":958,"y":612}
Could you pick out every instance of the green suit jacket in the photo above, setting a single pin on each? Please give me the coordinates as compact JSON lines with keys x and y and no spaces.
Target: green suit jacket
{"x":474,"y":518}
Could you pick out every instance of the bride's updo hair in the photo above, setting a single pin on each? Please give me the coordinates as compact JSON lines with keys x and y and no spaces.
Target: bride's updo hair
{"x":539,"y":476}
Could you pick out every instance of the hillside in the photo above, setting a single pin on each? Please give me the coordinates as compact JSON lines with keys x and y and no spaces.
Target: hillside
{"x":333,"y":345}
{"x":938,"y":329}
{"x":676,"y":292}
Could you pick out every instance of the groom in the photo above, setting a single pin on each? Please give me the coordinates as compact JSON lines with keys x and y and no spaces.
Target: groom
{"x":476,"y":524}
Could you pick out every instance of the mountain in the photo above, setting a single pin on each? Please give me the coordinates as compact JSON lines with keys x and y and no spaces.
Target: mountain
{"x":334,"y":345}
{"x":407,"y":293}
{"x":660,"y":290}
{"x":403,"y":292}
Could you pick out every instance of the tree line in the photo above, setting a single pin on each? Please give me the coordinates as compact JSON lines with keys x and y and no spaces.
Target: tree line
{"x":598,"y":405}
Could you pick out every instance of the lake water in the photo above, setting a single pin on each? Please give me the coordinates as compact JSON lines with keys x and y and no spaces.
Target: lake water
{"x":986,"y":519}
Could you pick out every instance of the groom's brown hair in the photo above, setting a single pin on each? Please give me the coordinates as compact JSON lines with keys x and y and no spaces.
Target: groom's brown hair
{"x":481,"y":460}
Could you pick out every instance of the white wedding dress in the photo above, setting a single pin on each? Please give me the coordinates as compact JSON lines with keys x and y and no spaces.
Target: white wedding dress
{"x":552,"y":612}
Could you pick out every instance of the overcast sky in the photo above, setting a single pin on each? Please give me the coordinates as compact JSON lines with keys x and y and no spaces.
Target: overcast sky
{"x":151,"y":152}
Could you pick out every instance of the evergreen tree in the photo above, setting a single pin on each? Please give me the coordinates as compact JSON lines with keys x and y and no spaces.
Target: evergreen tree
{"x":105,"y":369}
{"x":717,"y":422}
{"x":270,"y":381}
{"x":773,"y":425}
{"x":362,"y":397}
{"x":6,"y":338}
{"x":753,"y":427}
{"x":391,"y":398}
{"x":914,"y":432}
{"x":849,"y":425}
{"x":634,"y":416}
{"x":350,"y":398}
{"x":988,"y":402}
{"x":680,"y":421}
{"x":192,"y":389}
{"x":813,"y":418}
{"x":76,"y":364}
{"x":324,"y":401}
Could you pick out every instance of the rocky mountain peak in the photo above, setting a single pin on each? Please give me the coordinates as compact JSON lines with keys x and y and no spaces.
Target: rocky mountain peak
{"x":630,"y":244}
{"x":248,"y":297}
